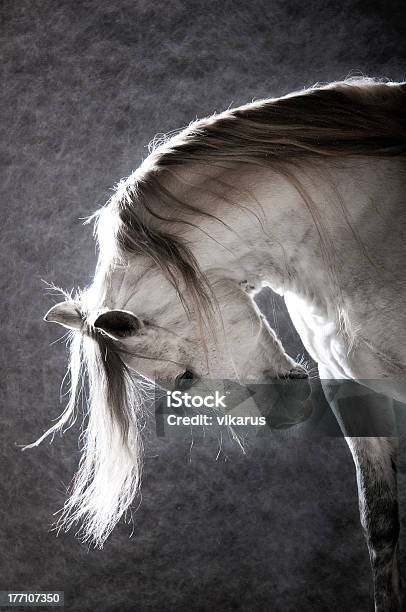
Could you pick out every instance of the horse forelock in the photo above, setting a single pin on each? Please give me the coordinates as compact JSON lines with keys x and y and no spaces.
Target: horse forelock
{"x":109,"y":472}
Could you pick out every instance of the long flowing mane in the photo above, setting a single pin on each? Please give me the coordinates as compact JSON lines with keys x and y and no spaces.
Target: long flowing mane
{"x":360,"y":117}
{"x":357,"y":117}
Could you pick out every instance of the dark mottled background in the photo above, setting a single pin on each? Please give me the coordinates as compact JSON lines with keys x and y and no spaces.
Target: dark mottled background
{"x":85,"y":86}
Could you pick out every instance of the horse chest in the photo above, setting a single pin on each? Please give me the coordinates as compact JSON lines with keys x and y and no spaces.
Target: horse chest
{"x":319,"y":333}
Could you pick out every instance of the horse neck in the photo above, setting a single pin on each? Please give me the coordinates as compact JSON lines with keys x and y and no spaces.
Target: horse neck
{"x":293,"y":229}
{"x":263,"y":232}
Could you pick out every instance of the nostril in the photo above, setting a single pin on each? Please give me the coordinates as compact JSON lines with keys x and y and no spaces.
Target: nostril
{"x":185,"y":381}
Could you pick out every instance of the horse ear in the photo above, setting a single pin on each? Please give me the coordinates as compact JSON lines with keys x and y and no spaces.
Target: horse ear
{"x":118,"y":324}
{"x":66,"y":314}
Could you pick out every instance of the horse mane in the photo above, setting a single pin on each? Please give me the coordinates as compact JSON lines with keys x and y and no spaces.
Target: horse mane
{"x":355,"y":117}
{"x":352,"y":117}
{"x":361,"y":117}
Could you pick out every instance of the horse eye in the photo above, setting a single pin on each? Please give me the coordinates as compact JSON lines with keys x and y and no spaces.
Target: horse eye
{"x":184,"y":381}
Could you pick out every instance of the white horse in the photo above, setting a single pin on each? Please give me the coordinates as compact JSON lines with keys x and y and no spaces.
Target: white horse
{"x":304,"y":194}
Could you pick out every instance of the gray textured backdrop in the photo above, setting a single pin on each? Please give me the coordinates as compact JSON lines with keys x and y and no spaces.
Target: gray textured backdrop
{"x":85,"y":86}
